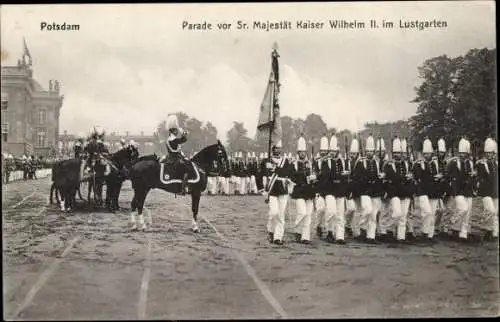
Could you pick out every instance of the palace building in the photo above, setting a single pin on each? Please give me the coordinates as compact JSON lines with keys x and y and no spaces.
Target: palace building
{"x":30,"y":114}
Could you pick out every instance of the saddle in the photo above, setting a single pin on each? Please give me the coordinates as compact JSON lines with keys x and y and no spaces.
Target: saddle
{"x":173,"y":172}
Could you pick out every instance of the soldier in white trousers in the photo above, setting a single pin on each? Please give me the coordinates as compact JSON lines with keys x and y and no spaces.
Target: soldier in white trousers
{"x":460,"y":173}
{"x":487,"y":169}
{"x":322,"y":187}
{"x":368,"y":178}
{"x":335,"y":198}
{"x":303,"y":193}
{"x":277,"y":192}
{"x":428,"y":189}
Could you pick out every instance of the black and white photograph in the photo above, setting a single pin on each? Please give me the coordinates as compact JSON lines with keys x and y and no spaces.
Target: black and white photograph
{"x":231,"y":161}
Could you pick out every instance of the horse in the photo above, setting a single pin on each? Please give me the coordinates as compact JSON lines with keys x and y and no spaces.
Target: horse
{"x":65,"y":182}
{"x":66,"y":179}
{"x":121,"y":161}
{"x":146,"y":173}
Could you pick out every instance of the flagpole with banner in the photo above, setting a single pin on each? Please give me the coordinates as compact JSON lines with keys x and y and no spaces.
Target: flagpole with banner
{"x":269,"y":115}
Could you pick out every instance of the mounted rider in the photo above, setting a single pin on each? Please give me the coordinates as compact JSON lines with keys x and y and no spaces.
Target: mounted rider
{"x":94,"y":149}
{"x":175,"y":159}
{"x":78,"y":147}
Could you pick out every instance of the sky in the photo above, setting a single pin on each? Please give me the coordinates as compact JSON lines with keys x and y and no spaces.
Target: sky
{"x":130,"y":65}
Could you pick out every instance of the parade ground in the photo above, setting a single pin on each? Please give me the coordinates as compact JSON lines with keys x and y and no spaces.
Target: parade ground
{"x":89,"y":265}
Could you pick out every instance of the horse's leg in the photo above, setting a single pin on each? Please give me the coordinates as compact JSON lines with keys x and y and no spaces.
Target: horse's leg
{"x":79,"y":192}
{"x":195,"y":203}
{"x":109,"y":194}
{"x":62,"y":196}
{"x":118,"y":190}
{"x":91,"y":184}
{"x":51,"y":200}
{"x":140,"y":207}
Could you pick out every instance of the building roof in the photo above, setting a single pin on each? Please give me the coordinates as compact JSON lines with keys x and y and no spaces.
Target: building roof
{"x":36,"y":86}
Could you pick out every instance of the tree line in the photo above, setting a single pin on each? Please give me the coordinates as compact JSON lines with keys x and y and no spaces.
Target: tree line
{"x":457,"y":97}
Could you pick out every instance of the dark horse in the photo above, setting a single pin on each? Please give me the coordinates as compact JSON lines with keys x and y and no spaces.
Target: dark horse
{"x":145,"y":175}
{"x":121,"y":161}
{"x":66,"y":178}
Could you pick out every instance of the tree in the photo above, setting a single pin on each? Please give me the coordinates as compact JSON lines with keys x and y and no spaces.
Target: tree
{"x":237,"y":138}
{"x":456,"y":98}
{"x":315,"y":128}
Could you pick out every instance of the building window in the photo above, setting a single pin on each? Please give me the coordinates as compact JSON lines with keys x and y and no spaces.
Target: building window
{"x":5,"y":101}
{"x":42,"y":116}
{"x":5,"y":132}
{"x":41,"y":138}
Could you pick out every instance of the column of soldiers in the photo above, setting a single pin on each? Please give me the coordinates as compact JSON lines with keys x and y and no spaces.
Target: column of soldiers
{"x":376,"y":198}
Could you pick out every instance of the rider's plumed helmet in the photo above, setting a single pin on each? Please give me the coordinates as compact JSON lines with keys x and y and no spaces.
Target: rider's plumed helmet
{"x":172,"y":122}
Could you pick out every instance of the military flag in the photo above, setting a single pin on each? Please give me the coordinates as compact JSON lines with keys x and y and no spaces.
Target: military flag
{"x":269,"y":115}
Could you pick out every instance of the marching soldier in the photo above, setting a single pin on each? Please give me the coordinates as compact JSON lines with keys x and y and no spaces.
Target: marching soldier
{"x":277,"y":192}
{"x":385,"y":220}
{"x":243,"y":174}
{"x":253,"y":169}
{"x":398,"y":176}
{"x":350,"y":205}
{"x":460,"y":172}
{"x":303,"y":193}
{"x":487,"y":169}
{"x":335,"y":198}
{"x":212,"y":175}
{"x":369,"y":182}
{"x":322,"y":186}
{"x":408,"y":181}
{"x":445,"y":201}
{"x":428,"y":181}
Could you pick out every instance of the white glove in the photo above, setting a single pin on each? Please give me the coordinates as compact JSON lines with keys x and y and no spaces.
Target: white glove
{"x":311,"y":177}
{"x":269,"y":165}
{"x":265,"y":194}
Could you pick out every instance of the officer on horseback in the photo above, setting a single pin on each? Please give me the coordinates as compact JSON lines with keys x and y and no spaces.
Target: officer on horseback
{"x":175,"y":158}
{"x":78,"y":147}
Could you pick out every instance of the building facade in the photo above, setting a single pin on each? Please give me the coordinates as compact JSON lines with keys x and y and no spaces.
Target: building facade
{"x":30,"y":114}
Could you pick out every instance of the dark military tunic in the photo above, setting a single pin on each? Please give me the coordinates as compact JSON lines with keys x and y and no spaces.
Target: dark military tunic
{"x":487,"y":171}
{"x":252,"y":168}
{"x":459,"y":176}
{"x":283,"y":171}
{"x":174,"y":147}
{"x":337,"y":182}
{"x":397,"y":183}
{"x":322,"y":169}
{"x":302,"y":189}
{"x":365,"y":176}
{"x":426,"y":183}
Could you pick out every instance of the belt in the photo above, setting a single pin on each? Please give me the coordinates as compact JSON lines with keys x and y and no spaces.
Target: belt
{"x":336,"y":181}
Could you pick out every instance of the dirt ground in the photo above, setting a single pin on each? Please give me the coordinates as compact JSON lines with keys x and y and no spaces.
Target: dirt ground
{"x":89,"y":265}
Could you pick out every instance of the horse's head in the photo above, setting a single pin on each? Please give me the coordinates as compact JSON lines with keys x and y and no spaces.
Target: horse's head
{"x":124,"y":157}
{"x":215,"y":152}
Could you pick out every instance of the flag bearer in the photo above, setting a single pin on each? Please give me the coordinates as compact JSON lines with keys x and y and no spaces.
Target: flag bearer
{"x":277,"y":193}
